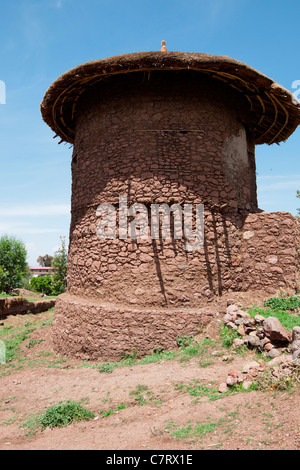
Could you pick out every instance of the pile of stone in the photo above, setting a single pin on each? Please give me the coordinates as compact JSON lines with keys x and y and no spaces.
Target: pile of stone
{"x":266,"y":335}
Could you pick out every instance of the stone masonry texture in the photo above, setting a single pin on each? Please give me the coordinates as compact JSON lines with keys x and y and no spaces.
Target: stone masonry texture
{"x":164,"y":138}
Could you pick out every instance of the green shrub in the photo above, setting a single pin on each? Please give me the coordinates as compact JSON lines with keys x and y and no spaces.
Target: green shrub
{"x":228,"y":335}
{"x":283,"y":303}
{"x":13,"y":265}
{"x":184,"y":341}
{"x":60,"y":264}
{"x":107,"y":367}
{"x":58,"y":287}
{"x":64,"y":414}
{"x":58,"y":416}
{"x":42,"y":284}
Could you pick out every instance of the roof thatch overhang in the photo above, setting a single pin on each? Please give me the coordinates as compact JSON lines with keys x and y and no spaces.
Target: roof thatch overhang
{"x":274,"y":112}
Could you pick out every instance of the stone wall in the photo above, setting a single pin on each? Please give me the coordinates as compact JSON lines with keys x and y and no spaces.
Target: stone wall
{"x":269,"y":256}
{"x":258,"y":251}
{"x":19,"y":306}
{"x":146,"y":299}
{"x":160,"y":138}
{"x":91,"y":329}
{"x":164,"y":138}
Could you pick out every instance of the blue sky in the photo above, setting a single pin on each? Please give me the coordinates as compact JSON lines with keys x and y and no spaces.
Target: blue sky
{"x":41,"y":39}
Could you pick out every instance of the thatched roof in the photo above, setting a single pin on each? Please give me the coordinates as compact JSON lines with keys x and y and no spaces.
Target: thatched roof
{"x":274,"y":113}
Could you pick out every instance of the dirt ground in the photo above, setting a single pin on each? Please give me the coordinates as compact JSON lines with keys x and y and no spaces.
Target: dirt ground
{"x":160,"y":413}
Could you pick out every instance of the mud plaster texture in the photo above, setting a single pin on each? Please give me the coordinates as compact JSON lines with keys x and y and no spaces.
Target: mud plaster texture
{"x":161,"y":138}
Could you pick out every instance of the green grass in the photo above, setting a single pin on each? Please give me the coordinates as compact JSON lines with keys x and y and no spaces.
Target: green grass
{"x":188,"y":348}
{"x":105,"y":413}
{"x":286,"y":319}
{"x":13,"y":342}
{"x":3,"y":295}
{"x":197,"y":430}
{"x":33,"y":342}
{"x":158,"y":357}
{"x":184,"y":341}
{"x":58,"y":416}
{"x":195,"y":348}
{"x":193,"y":430}
{"x":107,"y":367}
{"x":197,"y":390}
{"x":15,"y":337}
{"x":227,"y":336}
{"x":36,"y":299}
{"x":284,"y":308}
{"x":142,"y":395}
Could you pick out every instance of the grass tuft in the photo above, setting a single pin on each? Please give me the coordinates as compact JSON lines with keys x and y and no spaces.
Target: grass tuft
{"x":58,"y":416}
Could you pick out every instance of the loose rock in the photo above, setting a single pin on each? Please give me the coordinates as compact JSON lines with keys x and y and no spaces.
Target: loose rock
{"x":296,"y":357}
{"x":247,"y":384}
{"x":275,"y":331}
{"x":274,"y":353}
{"x":296,"y":333}
{"x":295,"y":345}
{"x":264,"y":334}
{"x":223,"y":387}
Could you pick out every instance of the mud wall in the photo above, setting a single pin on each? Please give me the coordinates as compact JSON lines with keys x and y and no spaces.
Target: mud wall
{"x":19,"y":306}
{"x":133,"y":314}
{"x":158,"y":138}
{"x":155,"y":139}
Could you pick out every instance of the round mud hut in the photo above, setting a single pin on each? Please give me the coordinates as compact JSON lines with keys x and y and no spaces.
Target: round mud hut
{"x":164,"y":215}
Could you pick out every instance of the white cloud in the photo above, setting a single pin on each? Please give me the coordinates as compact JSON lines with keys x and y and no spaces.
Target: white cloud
{"x":19,"y":229}
{"x":218,"y":8}
{"x":30,"y":246}
{"x":36,"y":231}
{"x":58,"y":3}
{"x":278,"y":182}
{"x":35,"y":211}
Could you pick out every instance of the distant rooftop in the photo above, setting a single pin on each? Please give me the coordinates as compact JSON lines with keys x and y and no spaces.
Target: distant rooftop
{"x":45,"y":268}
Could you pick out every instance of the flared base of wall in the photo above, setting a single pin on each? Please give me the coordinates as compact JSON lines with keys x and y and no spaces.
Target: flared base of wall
{"x":90,"y":330}
{"x":95,"y":321}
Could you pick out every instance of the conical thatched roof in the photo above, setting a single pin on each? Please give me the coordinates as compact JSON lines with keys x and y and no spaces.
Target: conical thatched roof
{"x":274,"y":113}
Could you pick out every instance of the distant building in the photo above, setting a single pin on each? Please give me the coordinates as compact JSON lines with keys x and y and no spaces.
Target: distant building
{"x":40,"y":271}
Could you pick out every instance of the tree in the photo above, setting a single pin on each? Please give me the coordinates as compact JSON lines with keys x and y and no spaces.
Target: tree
{"x":60,"y":263}
{"x":45,"y":261}
{"x":42,"y":284}
{"x":13,"y":264}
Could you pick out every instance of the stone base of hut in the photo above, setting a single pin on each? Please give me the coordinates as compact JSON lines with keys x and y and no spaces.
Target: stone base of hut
{"x":262,"y":256}
{"x":90,"y":330}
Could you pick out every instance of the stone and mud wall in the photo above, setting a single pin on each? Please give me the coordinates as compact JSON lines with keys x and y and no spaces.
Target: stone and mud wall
{"x":164,"y":139}
{"x":19,"y":306}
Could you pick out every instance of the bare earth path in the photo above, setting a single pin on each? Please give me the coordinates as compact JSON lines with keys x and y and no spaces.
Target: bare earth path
{"x":159,"y":411}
